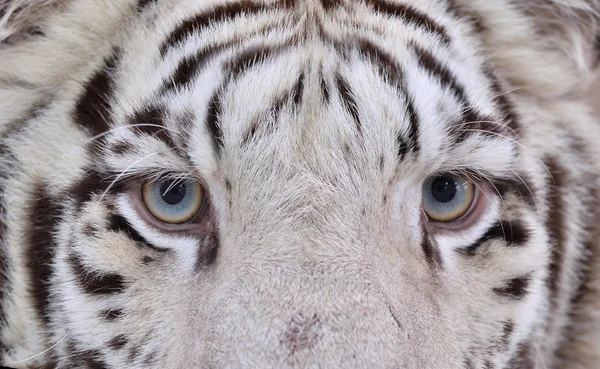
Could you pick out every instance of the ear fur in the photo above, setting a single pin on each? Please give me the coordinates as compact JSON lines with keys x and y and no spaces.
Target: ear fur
{"x":548,"y":48}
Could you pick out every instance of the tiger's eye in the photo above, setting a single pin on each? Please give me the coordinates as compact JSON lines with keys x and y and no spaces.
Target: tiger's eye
{"x":173,"y":201}
{"x":447,"y":198}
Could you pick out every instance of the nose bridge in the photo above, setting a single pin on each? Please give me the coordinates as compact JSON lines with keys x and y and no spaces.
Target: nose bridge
{"x":321,"y":312}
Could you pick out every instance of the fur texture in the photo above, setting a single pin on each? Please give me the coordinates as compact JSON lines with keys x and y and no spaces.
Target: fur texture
{"x":312,"y":125}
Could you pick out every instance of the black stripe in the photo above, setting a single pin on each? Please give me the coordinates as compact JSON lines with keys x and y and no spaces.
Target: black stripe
{"x":514,"y":288}
{"x":117,"y":223}
{"x":219,"y":14}
{"x":348,"y":100}
{"x":92,"y":111}
{"x":94,"y":282}
{"x":514,"y":233}
{"x":44,"y":215}
{"x":411,"y":15}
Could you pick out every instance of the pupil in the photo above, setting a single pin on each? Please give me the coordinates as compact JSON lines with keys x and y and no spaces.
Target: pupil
{"x":172,"y":195}
{"x":443,"y":189}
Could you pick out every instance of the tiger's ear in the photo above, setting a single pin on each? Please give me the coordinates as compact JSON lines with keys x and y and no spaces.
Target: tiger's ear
{"x":20,"y":19}
{"x":547,"y":47}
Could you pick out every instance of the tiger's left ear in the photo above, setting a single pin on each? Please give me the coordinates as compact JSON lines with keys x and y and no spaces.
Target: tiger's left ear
{"x":547,"y":47}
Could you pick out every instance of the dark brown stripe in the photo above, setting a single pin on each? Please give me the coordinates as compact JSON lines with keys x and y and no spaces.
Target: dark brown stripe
{"x":212,"y":122}
{"x":507,"y":331}
{"x":468,"y":16}
{"x":254,"y":56}
{"x":208,"y":249}
{"x":331,"y":4}
{"x":514,"y":288}
{"x":92,"y":111}
{"x":348,"y":100}
{"x":190,"y":66}
{"x":90,"y":230}
{"x":391,"y":72}
{"x":502,"y":101}
{"x":272,"y":113}
{"x":142,"y":4}
{"x":523,"y":188}
{"x":92,"y":183}
{"x":410,"y":15}
{"x":431,"y":251}
{"x":437,"y":70}
{"x":94,"y":282}
{"x":298,"y":90}
{"x":596,"y":61}
{"x":525,"y":357}
{"x":120,"y":148}
{"x":44,"y":216}
{"x":325,"y":90}
{"x":112,"y":314}
{"x":514,"y":233}
{"x":387,"y":66}
{"x":201,"y":21}
{"x":468,"y":363}
{"x":187,"y":69}
{"x":118,"y":342}
{"x":473,"y":123}
{"x":413,"y":127}
{"x":117,"y":223}
{"x":237,"y":67}
{"x":555,"y":226}
{"x":3,"y":257}
{"x":151,"y":119}
{"x":89,"y":359}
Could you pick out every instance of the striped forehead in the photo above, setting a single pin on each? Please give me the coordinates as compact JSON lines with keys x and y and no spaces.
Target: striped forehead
{"x":231,"y":74}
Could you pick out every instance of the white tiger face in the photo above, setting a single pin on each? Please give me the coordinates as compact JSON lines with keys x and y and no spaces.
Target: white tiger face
{"x":292,"y":184}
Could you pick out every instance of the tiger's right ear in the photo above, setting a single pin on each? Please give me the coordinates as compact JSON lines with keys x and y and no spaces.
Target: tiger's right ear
{"x":547,"y":48}
{"x":21,"y":19}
